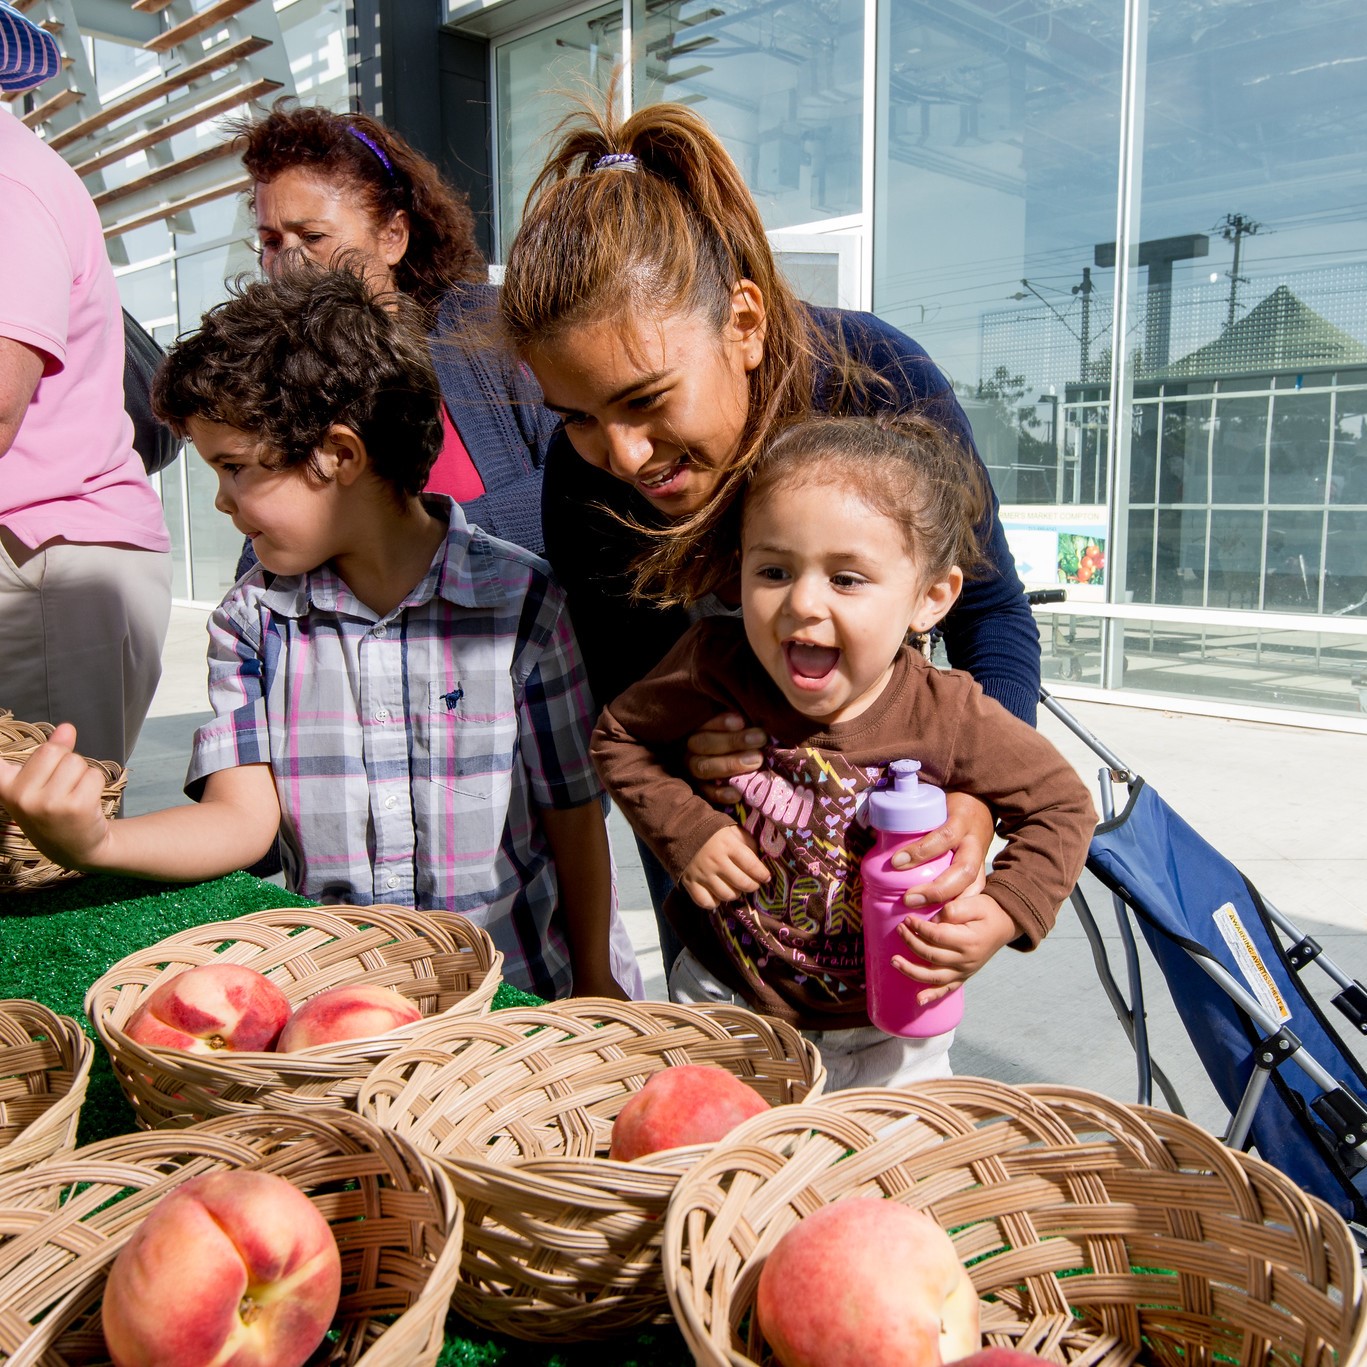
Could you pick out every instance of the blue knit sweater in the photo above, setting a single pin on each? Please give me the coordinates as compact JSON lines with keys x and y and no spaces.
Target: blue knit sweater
{"x":496,"y":406}
{"x":989,"y":632}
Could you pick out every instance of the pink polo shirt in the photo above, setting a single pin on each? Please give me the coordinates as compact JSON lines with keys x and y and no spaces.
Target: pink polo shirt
{"x":72,"y":470}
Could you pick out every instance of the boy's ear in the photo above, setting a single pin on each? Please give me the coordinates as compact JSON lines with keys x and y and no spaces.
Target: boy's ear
{"x":936,"y":599}
{"x":342,"y":455}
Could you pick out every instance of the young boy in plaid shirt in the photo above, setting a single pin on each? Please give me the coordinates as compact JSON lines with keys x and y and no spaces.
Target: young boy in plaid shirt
{"x":396,"y":694}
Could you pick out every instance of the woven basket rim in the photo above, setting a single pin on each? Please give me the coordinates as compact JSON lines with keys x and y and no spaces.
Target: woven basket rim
{"x":1022,"y":1180}
{"x":279,"y":937}
{"x":564,"y":1245}
{"x":23,"y":867}
{"x":54,"y":1131}
{"x":517,"y":1026}
{"x":340,"y":1143}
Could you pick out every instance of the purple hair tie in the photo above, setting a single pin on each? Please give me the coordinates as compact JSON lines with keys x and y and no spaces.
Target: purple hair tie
{"x":374,"y":147}
{"x":624,"y":161}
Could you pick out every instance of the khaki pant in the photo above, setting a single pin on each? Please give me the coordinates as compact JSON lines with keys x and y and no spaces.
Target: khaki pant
{"x":863,"y":1057}
{"x":81,"y":632}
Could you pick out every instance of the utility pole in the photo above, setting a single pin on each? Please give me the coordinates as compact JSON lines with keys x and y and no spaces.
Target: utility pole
{"x":1234,"y":228}
{"x":1085,"y":290}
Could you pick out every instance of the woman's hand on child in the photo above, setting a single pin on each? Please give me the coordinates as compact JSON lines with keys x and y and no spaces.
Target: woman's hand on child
{"x":55,"y":797}
{"x":728,"y":866}
{"x":968,"y":832}
{"x":719,"y":750}
{"x":955,"y":943}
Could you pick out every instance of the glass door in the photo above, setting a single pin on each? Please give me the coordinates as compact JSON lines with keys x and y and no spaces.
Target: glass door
{"x":539,"y":76}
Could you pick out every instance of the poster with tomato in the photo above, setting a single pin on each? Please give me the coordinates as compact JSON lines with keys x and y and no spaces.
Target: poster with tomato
{"x":1059,"y":544}
{"x":1081,"y":559}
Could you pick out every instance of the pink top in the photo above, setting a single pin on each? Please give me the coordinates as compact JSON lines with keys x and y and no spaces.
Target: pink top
{"x":453,"y":472}
{"x":72,"y":470}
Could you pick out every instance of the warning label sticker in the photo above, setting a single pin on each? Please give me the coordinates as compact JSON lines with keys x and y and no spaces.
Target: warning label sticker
{"x":1250,"y":962}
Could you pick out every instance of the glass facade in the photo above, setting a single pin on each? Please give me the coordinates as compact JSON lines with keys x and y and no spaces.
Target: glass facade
{"x":1131,"y":232}
{"x":1230,"y":491}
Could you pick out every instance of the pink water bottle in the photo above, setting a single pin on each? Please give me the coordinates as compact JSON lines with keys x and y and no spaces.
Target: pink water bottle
{"x":906,"y":809}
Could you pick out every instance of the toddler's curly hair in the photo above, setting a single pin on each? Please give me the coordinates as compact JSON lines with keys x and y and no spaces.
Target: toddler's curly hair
{"x":285,"y":359}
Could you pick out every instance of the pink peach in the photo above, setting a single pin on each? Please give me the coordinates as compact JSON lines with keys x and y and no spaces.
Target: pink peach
{"x":866,"y":1283}
{"x":1001,"y":1357}
{"x":690,"y":1103}
{"x":233,"y":1269}
{"x":209,"y":1008}
{"x":343,"y":1013}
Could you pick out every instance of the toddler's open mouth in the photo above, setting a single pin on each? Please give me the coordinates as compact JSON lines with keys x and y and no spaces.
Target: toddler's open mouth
{"x":809,"y":666}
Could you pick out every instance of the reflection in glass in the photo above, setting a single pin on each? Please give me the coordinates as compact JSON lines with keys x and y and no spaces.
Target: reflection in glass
{"x":1183,"y":453}
{"x":1298,"y":461}
{"x":781,"y":83}
{"x":539,"y":79}
{"x":1235,"y":559}
{"x":996,"y":148}
{"x":1302,"y":670}
{"x":1239,"y":457}
{"x":1345,"y":564}
{"x":1180,"y":557}
{"x":1291,"y":578}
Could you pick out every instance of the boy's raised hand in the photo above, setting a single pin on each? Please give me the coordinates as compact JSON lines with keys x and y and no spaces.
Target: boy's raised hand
{"x":55,"y":797}
{"x":728,"y":866}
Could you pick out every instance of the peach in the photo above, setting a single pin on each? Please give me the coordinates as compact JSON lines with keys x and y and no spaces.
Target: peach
{"x":343,"y":1013}
{"x":232,"y":1269}
{"x":689,"y":1103}
{"x":866,"y":1283}
{"x":1001,"y":1357}
{"x":212,"y":1007}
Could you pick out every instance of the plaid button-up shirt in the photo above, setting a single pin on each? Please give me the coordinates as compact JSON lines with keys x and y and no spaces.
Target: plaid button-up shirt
{"x":412,"y":751}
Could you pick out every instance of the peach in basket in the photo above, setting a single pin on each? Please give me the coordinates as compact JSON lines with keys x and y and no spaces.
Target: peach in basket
{"x":563,"y":1242}
{"x":440,"y":962}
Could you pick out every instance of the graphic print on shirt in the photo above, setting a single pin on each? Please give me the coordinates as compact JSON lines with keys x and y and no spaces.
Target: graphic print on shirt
{"x":801,"y":933}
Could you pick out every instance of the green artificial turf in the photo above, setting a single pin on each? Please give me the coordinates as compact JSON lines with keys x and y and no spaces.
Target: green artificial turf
{"x":55,"y":943}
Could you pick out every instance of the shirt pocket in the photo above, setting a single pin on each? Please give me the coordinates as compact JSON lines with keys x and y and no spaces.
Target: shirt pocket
{"x":467,"y":741}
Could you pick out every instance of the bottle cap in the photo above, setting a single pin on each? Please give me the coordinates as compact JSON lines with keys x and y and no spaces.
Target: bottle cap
{"x":907,"y":804}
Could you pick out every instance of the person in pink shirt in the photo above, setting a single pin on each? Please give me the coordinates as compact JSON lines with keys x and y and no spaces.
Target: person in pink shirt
{"x":85,"y":565}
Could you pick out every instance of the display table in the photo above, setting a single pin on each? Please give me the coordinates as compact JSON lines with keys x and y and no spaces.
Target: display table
{"x":56,"y":942}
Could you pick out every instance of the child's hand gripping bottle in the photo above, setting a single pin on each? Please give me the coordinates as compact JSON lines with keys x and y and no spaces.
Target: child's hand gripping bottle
{"x":901,"y":812}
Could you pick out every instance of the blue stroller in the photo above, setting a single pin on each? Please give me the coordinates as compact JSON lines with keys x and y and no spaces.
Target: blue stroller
{"x":1295,"y":1092}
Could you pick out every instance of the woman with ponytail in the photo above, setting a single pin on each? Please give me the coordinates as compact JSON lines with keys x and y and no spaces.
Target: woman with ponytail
{"x":643,"y":293}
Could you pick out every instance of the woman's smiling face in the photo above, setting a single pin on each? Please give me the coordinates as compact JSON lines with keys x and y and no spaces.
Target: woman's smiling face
{"x":661,"y":404}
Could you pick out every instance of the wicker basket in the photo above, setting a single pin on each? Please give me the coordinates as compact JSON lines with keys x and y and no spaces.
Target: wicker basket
{"x":44,"y":1069}
{"x":396,"y":1219}
{"x":446,"y":965}
{"x":562,"y":1243}
{"x":1094,"y":1232}
{"x":22,"y":868}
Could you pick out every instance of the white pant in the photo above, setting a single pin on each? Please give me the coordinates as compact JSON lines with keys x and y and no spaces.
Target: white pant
{"x":862,"y":1057}
{"x":83,"y":627}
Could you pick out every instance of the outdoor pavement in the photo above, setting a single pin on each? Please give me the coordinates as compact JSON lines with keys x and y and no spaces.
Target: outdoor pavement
{"x":1287,"y":804}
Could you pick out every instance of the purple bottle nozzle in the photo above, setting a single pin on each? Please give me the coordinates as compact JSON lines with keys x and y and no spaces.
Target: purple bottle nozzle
{"x":907,"y":804}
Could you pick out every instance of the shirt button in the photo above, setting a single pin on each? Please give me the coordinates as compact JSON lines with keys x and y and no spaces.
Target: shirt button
{"x":391,"y":802}
{"x":381,"y":631}
{"x":381,"y":714}
{"x":392,"y":881}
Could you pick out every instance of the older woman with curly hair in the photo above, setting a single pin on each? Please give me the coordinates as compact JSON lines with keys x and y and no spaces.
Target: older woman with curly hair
{"x":324,"y":183}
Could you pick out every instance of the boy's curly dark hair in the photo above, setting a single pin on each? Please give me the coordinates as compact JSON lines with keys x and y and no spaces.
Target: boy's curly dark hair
{"x":341,"y":147}
{"x":287,"y":358}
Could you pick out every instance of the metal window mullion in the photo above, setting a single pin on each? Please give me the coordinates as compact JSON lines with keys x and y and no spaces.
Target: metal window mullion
{"x":1129,"y":184}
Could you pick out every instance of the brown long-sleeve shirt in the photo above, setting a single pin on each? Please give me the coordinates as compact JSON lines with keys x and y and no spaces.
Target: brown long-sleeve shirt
{"x":795,"y":948}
